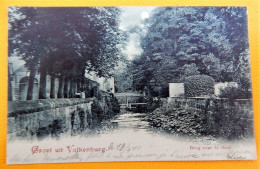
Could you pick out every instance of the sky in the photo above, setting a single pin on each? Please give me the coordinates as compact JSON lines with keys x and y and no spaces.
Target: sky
{"x":133,"y":16}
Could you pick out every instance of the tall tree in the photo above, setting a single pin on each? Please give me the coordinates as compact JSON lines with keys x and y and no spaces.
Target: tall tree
{"x":182,"y":41}
{"x":64,"y":42}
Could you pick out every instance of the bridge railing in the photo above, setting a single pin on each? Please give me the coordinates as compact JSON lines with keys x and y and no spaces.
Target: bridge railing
{"x":132,"y":105}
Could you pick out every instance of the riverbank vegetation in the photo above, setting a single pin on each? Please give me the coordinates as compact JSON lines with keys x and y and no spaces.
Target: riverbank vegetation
{"x":228,"y":122}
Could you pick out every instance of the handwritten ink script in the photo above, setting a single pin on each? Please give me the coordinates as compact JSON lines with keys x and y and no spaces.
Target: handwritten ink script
{"x":127,"y":152}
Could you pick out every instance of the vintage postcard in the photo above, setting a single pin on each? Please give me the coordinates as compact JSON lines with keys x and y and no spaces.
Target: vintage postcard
{"x":99,"y":84}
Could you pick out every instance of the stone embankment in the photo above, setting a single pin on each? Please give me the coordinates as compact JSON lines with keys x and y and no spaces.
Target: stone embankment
{"x":52,"y":117}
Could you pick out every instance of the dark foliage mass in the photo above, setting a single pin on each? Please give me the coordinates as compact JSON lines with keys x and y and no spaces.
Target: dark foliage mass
{"x":178,"y":121}
{"x":199,"y":85}
{"x":228,"y":122}
{"x":233,"y":93}
{"x":178,"y":42}
{"x":231,"y":123}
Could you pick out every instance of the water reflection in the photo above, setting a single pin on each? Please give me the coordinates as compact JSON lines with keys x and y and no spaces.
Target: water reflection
{"x":125,"y":122}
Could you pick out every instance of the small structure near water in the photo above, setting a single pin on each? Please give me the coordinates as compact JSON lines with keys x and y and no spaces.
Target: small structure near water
{"x":176,"y":89}
{"x":220,"y":86}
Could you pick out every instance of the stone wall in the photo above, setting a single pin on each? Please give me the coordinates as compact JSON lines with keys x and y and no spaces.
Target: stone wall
{"x":202,"y":103}
{"x":54,"y":117}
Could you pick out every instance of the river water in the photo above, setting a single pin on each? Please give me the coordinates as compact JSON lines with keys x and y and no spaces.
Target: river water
{"x":127,"y":122}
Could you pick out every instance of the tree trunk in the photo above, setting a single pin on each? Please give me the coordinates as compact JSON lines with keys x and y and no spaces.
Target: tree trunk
{"x":66,"y":86}
{"x":71,"y":89}
{"x":74,"y":91}
{"x":42,"y":90}
{"x":78,"y":86}
{"x":31,"y":84}
{"x":10,"y":91}
{"x":52,"y":92}
{"x":61,"y":87}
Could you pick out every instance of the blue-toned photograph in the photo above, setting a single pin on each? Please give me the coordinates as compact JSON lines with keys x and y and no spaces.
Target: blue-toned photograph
{"x":96,"y":84}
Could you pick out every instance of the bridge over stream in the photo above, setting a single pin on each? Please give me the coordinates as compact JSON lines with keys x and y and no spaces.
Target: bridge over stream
{"x":130,"y":100}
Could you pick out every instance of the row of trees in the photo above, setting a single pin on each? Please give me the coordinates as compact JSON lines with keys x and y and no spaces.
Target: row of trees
{"x":64,"y":43}
{"x":183,"y":41}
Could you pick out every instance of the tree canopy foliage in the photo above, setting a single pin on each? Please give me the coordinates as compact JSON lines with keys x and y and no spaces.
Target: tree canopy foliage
{"x":65,"y":42}
{"x":183,"y":41}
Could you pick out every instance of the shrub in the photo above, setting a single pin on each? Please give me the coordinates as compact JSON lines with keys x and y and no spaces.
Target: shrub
{"x":232,"y":93}
{"x":97,"y":111}
{"x":115,"y":105}
{"x":232,"y":123}
{"x":229,"y":122}
{"x":199,"y":85}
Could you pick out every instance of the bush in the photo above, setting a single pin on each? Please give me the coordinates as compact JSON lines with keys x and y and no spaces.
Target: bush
{"x":232,"y":123}
{"x":229,"y":122}
{"x":97,"y":111}
{"x":198,"y":85}
{"x":232,"y":93}
{"x":178,"y":120}
{"x":115,"y":105}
